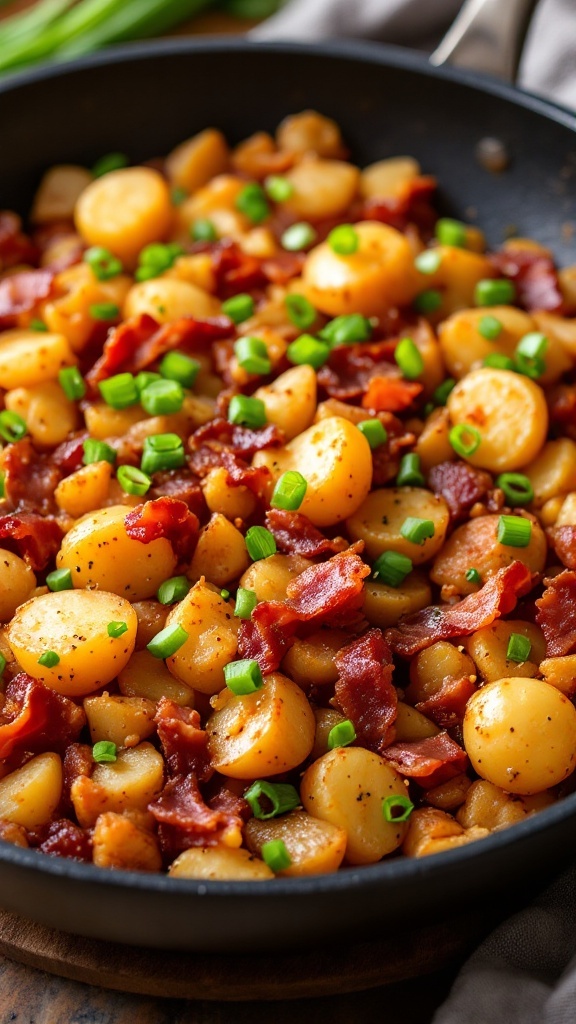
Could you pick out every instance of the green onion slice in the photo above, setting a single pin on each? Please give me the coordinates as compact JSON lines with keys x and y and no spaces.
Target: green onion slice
{"x":519,"y":648}
{"x":167,"y":641}
{"x":252,"y":202}
{"x":49,"y":659}
{"x":344,"y":240}
{"x":517,"y":488}
{"x":162,"y":397}
{"x":179,"y":367}
{"x":246,"y":601}
{"x":490,"y":327}
{"x":203,"y":230}
{"x":252,"y":355}
{"x":391,"y":568}
{"x":173,"y":590}
{"x":451,"y":232}
{"x":300,"y":311}
{"x":374,"y":432}
{"x":473,"y":576}
{"x":133,"y":480}
{"x":275,"y":855}
{"x":307,"y":350}
{"x":12,"y":426}
{"x":417,"y":531}
{"x":289,"y":491}
{"x":97,"y":451}
{"x":119,"y":391}
{"x":428,"y":261}
{"x":278,"y":188}
{"x":162,"y":452}
{"x":428,"y":301}
{"x":409,"y":473}
{"x":243,"y":677}
{"x":409,"y":358}
{"x":500,"y":292}
{"x":103,"y":263}
{"x":298,"y":236}
{"x":116,"y":629}
{"x":346,"y":330}
{"x":248,"y":412}
{"x":397,"y":809}
{"x":104,"y":752}
{"x":341,"y":735}
{"x":72,"y":383}
{"x":239,"y":308}
{"x":465,"y":439}
{"x":59,"y":579}
{"x":514,"y":531}
{"x":260,"y":543}
{"x":104,"y":311}
{"x":282,"y":798}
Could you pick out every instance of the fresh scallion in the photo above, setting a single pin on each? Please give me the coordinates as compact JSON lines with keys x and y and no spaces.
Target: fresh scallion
{"x":519,"y":647}
{"x":243,"y":677}
{"x":260,"y":543}
{"x":514,"y":531}
{"x":397,"y":809}
{"x":179,"y":367}
{"x":517,"y":488}
{"x":246,"y":601}
{"x":464,"y":439}
{"x":391,"y":568}
{"x":289,"y":491}
{"x":239,"y":308}
{"x":281,"y":795}
{"x":248,"y":412}
{"x":97,"y":451}
{"x":374,"y":432}
{"x":72,"y":383}
{"x":173,"y":590}
{"x":167,"y":641}
{"x":252,"y":355}
{"x":341,"y":735}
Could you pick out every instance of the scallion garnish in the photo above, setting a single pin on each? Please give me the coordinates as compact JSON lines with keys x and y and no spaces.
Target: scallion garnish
{"x":441,"y":393}
{"x":203,"y":230}
{"x":59,"y":579}
{"x":428,"y":261}
{"x":162,"y":397}
{"x":500,"y":292}
{"x":243,"y":677}
{"x":133,"y":480}
{"x":289,"y":491}
{"x":464,"y":439}
{"x":300,"y":311}
{"x":473,"y":576}
{"x":451,"y":232}
{"x":346,"y":329}
{"x":252,"y":202}
{"x":282,"y":797}
{"x":408,"y":357}
{"x":97,"y":451}
{"x":260,"y":543}
{"x":119,"y":391}
{"x":72,"y":383}
{"x":519,"y":647}
{"x":409,"y":473}
{"x":252,"y":355}
{"x":514,"y":531}
{"x":167,"y":641}
{"x":391,"y":568}
{"x":275,"y":855}
{"x":246,"y":601}
{"x":173,"y":590}
{"x":179,"y":367}
{"x":104,"y":752}
{"x":103,"y":263}
{"x":529,"y":354}
{"x":374,"y":431}
{"x":428,"y":301}
{"x":397,"y":809}
{"x":12,"y":426}
{"x":344,"y":240}
{"x":239,"y":308}
{"x":341,"y":735}
{"x":278,"y":188}
{"x":116,"y":629}
{"x":417,"y":531}
{"x":162,"y":452}
{"x":517,"y":488}
{"x":308,"y":351}
{"x":38,"y":325}
{"x":498,"y":361}
{"x":298,"y":236}
{"x":49,"y":659}
{"x":109,"y":162}
{"x":248,"y":412}
{"x":490,"y":327}
{"x":104,"y":311}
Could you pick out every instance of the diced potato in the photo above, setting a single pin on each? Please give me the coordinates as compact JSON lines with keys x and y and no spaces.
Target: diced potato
{"x":29,"y":357}
{"x":129,"y":783}
{"x":326,"y":719}
{"x":347,"y":787}
{"x":263,"y":733}
{"x":119,"y":842}
{"x":103,"y":422}
{"x":488,"y":806}
{"x":166,"y":299}
{"x":561,"y":673}
{"x":384,"y":606}
{"x":435,"y":664}
{"x":124,"y":211}
{"x":336,"y":461}
{"x":379,"y":519}
{"x":30,"y":795}
{"x":433,"y":445}
{"x":387,"y":179}
{"x":450,"y":794}
{"x":194,"y":162}
{"x":314,"y":846}
{"x":290,"y":400}
{"x":219,"y":863}
{"x":488,"y":647}
{"x":124,"y":721}
{"x":475,"y":545}
{"x":457,"y":275}
{"x":411,"y":724}
{"x":147,"y":676}
{"x":559,"y":330}
{"x":48,"y":414}
{"x":432,"y":831}
{"x":321,"y":188}
{"x":309,"y":132}
{"x":553,"y":471}
{"x":75,"y":290}
{"x":230,"y":501}
{"x":566,"y":510}
{"x":221,"y":555}
{"x":58,"y":193}
{"x":99,"y":553}
{"x":74,"y":625}
{"x":84,"y":490}
{"x":310,"y":662}
{"x":151,"y":619}
{"x":17,"y":582}
{"x":212,"y":638}
{"x":269,"y":577}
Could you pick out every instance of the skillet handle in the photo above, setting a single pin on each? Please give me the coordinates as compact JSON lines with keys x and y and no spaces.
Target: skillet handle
{"x":487,"y":36}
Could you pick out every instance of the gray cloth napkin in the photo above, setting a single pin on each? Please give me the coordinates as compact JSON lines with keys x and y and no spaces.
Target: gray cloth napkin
{"x":525,"y":972}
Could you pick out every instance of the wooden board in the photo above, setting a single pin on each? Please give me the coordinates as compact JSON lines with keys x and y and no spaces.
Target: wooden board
{"x":328,"y":970}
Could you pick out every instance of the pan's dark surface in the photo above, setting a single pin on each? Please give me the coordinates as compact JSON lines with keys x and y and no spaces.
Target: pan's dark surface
{"x":388,"y":102}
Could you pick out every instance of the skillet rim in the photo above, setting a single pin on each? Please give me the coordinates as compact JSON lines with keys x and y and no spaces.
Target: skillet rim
{"x":386,"y":872}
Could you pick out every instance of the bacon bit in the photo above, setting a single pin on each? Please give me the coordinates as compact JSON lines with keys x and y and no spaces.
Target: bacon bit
{"x":19,"y":293}
{"x":77,"y":761}
{"x":446,"y":707}
{"x":460,"y":485}
{"x":497,"y":597}
{"x":332,"y":591}
{"x":185,"y":820}
{"x":390,"y":394}
{"x":364,"y":689}
{"x":183,"y":740}
{"x":15,"y":246}
{"x":62,"y":838}
{"x":556,"y":614}
{"x":561,"y":402}
{"x":283,"y":267}
{"x":563,"y":539}
{"x":164,"y":517}
{"x":535,"y":277}
{"x":226,"y":801}
{"x":183,"y":486}
{"x":30,"y":478}
{"x":34,"y":538}
{"x":235,"y":270}
{"x":36,"y":718}
{"x":350,"y":368}
{"x":67,"y":457}
{"x":240,"y":474}
{"x":242,"y":441}
{"x":414,"y":206}
{"x":296,"y":535}
{"x":430,"y":761}
{"x":267,"y":636}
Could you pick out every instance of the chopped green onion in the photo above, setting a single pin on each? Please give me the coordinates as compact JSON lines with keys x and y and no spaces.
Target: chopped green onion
{"x":3,"y":664}
{"x":300,"y":311}
{"x":440,"y":395}
{"x":473,"y":576}
{"x":249,"y":412}
{"x":133,"y":480}
{"x":289,"y":491}
{"x":144,"y":378}
{"x":344,"y":240}
{"x":162,"y":452}
{"x":243,"y":677}
{"x":252,"y":355}
{"x":409,"y":358}
{"x":162,"y":397}
{"x":49,"y":659}
{"x":72,"y":383}
{"x":239,"y":308}
{"x":392,"y":568}
{"x":529,"y":354}
{"x":59,"y":579}
{"x":428,"y":301}
{"x":2,"y":483}
{"x":427,"y":262}
{"x":97,"y":451}
{"x":374,"y":432}
{"x":341,"y":735}
{"x":109,"y":162}
{"x":278,"y":188}
{"x":203,"y":230}
{"x":119,"y":391}
{"x":298,"y":236}
{"x":490,"y":327}
{"x":103,"y":263}
{"x":409,"y":473}
{"x":38,"y":325}
{"x":252,"y":202}
{"x":451,"y":232}
{"x":173,"y":590}
{"x":282,"y":796}
{"x":417,"y":531}
{"x":275,"y":855}
{"x":246,"y":602}
{"x":225,"y":595}
{"x":490,"y":292}
{"x":116,"y":629}
{"x":347,"y":329}
{"x":514,"y":531}
{"x":104,"y":752}
{"x":260,"y":543}
{"x":167,"y":641}
{"x":104,"y":311}
{"x":465,"y":439}
{"x":397,"y":809}
{"x":178,"y":196}
{"x":498,"y":361}
{"x":12,"y":426}
{"x":519,"y":647}
{"x":155,"y":258}
{"x":180,"y":367}
{"x":308,"y":351}
{"x":517,"y":488}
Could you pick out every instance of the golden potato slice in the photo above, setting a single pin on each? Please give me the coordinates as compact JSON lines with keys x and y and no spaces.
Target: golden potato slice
{"x":475,"y":545}
{"x":221,"y":554}
{"x":379,"y":519}
{"x":28,"y":357}
{"x":384,"y":606}
{"x":290,"y":400}
{"x":129,"y":783}
{"x":124,"y":721}
{"x":488,"y":647}
{"x":314,"y":846}
{"x":147,"y":676}
{"x":30,"y":795}
{"x":212,"y":638}
{"x":219,"y":864}
{"x":124,"y":211}
{"x":17,"y":582}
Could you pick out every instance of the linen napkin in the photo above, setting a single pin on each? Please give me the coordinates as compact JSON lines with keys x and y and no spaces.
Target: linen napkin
{"x":525,"y":971}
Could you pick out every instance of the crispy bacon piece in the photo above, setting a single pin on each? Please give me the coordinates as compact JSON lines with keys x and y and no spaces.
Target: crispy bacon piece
{"x":296,"y":535}
{"x":34,"y":538}
{"x":535,"y":277}
{"x":283,"y":267}
{"x":414,"y":206}
{"x":430,"y":761}
{"x":563,"y":539}
{"x":183,"y":740}
{"x":164,"y":517}
{"x":266,"y":637}
{"x":350,"y":368}
{"x":67,"y":457}
{"x":15,"y":246}
{"x":77,"y":761}
{"x":141,"y":340}
{"x":36,"y":718}
{"x":235,"y":270}
{"x":30,"y":478}
{"x":561,"y":401}
{"x":62,"y":838}
{"x":185,"y":820}
{"x":497,"y":597}
{"x":460,"y":485}
{"x":242,"y":441}
{"x":19,"y":293}
{"x":556,"y":614}
{"x":390,"y":394}
{"x":240,"y":474}
{"x":364,"y":689}
{"x":446,"y":707}
{"x":183,"y":486}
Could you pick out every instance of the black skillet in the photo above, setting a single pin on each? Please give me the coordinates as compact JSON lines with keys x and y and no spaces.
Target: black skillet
{"x":142,"y":100}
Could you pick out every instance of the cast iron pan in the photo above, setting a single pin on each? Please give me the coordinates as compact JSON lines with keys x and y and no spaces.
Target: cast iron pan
{"x":142,"y":100}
